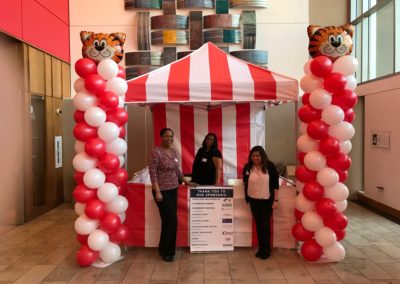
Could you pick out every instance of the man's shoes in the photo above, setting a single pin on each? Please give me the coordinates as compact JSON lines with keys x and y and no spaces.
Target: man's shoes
{"x":168,"y":258}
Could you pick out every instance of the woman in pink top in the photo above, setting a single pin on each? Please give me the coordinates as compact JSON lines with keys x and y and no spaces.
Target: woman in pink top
{"x":166,"y":176}
{"x":261,"y":184}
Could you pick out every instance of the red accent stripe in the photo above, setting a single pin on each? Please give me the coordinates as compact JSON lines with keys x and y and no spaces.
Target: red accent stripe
{"x":264,"y":83}
{"x":137,"y":90}
{"x":159,"y":121}
{"x":221,"y":81}
{"x":187,"y":141}
{"x":242,"y":136}
{"x":135,"y":214}
{"x":182,"y":236}
{"x":178,"y":81}
{"x":215,"y":126}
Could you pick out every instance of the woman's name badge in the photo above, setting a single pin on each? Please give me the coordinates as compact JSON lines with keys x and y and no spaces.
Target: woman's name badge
{"x":204,"y":160}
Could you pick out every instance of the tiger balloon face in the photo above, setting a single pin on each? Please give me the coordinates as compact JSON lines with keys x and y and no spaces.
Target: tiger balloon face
{"x":101,"y":46}
{"x":331,"y":41}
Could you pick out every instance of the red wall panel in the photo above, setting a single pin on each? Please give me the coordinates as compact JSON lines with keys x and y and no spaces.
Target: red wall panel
{"x":11,"y":18}
{"x":59,"y":8}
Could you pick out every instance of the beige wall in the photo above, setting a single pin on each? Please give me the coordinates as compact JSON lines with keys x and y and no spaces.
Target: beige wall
{"x":328,"y":12}
{"x":11,"y":128}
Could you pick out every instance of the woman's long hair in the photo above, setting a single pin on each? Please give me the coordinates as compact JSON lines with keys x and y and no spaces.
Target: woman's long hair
{"x":264,"y":158}
{"x":214,"y":146}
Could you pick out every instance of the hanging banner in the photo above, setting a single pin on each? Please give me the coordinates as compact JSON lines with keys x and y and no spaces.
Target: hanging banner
{"x":211,"y":218}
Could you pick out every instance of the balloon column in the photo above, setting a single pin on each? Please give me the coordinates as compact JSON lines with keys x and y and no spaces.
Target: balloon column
{"x":100,"y":147}
{"x":326,"y":116}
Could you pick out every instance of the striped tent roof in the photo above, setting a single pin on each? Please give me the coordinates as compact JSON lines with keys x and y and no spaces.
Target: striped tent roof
{"x":211,"y":75}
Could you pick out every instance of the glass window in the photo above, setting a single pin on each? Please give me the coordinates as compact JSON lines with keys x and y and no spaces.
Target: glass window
{"x":357,"y":50}
{"x":364,"y":49}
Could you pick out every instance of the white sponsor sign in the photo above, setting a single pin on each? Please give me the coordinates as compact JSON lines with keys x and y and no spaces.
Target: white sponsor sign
{"x":211,"y":218}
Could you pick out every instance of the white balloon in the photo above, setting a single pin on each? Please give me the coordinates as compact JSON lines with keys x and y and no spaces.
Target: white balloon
{"x":97,"y":240}
{"x":342,"y":131}
{"x":306,"y":67}
{"x":117,"y":85}
{"x":95,"y":116}
{"x":82,"y":162}
{"x":351,"y":82}
{"x":335,"y":252}
{"x":83,"y":100}
{"x":121,"y":102}
{"x":107,"y":68}
{"x":325,"y":237}
{"x":299,"y":186}
{"x":117,"y":146}
{"x":320,"y":98}
{"x":303,"y":204}
{"x":307,"y":144}
{"x":303,"y":128}
{"x":122,"y":216}
{"x":310,"y":83}
{"x":79,"y":146}
{"x":314,"y":161}
{"x":79,"y":208}
{"x":345,"y":65}
{"x":110,"y":253}
{"x":311,"y":221}
{"x":345,"y":147}
{"x":79,"y":85}
{"x":108,"y":131}
{"x":84,"y":226}
{"x":338,"y":192}
{"x":117,"y":205}
{"x":332,"y":114}
{"x":107,"y":192}
{"x":121,"y":161}
{"x":341,"y":205}
{"x":94,"y":178}
{"x":327,"y":177}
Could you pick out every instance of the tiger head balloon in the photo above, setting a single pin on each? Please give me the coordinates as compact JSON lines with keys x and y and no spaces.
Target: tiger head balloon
{"x":101,"y":46}
{"x":330,"y":41}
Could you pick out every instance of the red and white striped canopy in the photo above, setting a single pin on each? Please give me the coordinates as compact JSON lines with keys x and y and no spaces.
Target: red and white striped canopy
{"x":211,"y":75}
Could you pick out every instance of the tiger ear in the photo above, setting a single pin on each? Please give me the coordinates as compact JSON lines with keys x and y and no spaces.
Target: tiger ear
{"x":349,"y":28}
{"x":85,"y":35}
{"x":311,"y":29}
{"x":120,"y":36}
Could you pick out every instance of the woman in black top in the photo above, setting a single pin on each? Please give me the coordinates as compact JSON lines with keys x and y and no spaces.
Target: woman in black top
{"x":207,"y":164}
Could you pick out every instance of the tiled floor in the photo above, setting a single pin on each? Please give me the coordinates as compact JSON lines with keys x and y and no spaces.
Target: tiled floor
{"x":43,"y":251}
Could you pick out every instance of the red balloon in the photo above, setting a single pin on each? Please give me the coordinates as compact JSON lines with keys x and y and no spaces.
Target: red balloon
{"x":122,"y":132}
{"x":121,"y":235}
{"x":336,"y":222}
{"x":82,"y":238}
{"x":340,"y":234}
{"x":85,"y":67}
{"x":109,"y":163}
{"x":110,"y":222}
{"x":342,"y":175}
{"x":119,"y":177}
{"x":339,"y":162}
{"x":305,"y":175}
{"x":86,"y":256}
{"x":84,"y":194}
{"x":108,"y":100}
{"x":95,"y":83}
{"x":305,"y":99}
{"x":345,"y":99}
{"x":329,"y":146}
{"x":311,"y":250}
{"x":313,"y":191}
{"x":78,"y":177}
{"x":321,"y":66}
{"x":79,"y":116}
{"x":121,"y":72}
{"x":301,"y":234}
{"x":84,"y":132}
{"x":300,"y":157}
{"x":119,"y":116}
{"x":335,"y":82}
{"x":317,"y":129}
{"x":325,"y":207}
{"x":298,"y":214}
{"x":349,"y":115}
{"x":308,"y":114}
{"x":95,"y":209}
{"x":95,"y":147}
